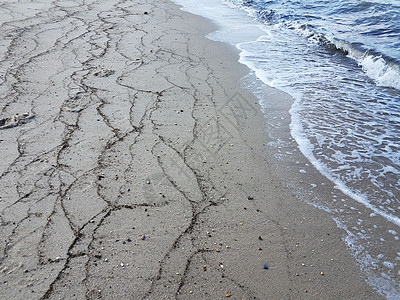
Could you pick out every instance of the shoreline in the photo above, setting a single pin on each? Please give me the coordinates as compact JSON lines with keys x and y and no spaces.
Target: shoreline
{"x":145,"y":172}
{"x":370,"y":235}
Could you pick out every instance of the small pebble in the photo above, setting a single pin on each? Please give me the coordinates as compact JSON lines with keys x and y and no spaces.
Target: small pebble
{"x":322,"y":273}
{"x":260,"y":238}
{"x":228,"y":295}
{"x":218,"y":250}
{"x":204,"y":268}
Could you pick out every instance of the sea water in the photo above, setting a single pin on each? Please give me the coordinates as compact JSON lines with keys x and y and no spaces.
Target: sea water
{"x":340,"y":61}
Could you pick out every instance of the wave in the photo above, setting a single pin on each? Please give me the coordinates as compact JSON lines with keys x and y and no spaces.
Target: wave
{"x":384,"y":70}
{"x":381,"y":68}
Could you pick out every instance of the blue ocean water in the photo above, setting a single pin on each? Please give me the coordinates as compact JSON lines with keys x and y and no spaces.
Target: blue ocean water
{"x":340,"y":61}
{"x":367,"y":31}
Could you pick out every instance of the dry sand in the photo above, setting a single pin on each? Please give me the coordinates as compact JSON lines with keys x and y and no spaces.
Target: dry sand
{"x":133,"y":166}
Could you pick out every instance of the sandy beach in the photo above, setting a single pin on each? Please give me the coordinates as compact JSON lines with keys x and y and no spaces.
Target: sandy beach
{"x":134,"y":165}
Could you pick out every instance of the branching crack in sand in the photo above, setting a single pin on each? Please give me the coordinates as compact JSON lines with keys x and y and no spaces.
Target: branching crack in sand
{"x":95,"y":60}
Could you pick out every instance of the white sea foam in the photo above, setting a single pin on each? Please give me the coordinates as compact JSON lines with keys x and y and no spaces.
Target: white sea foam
{"x":374,"y":65}
{"x":307,"y":149}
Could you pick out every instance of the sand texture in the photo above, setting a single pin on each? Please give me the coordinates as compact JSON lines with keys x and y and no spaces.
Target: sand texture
{"x":133,"y":166}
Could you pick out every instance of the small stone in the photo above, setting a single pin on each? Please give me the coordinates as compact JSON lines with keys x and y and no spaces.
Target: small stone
{"x":218,"y":250}
{"x":260,"y":248}
{"x":190,"y":292}
{"x":305,"y":291}
{"x":228,"y":295}
{"x":297,"y":274}
{"x":143,"y":237}
{"x":122,"y":265}
{"x":106,"y":259}
{"x":265,"y":267}
{"x":250,"y":198}
{"x":148,"y":181}
{"x":322,"y":273}
{"x":260,"y":238}
{"x":204,"y":268}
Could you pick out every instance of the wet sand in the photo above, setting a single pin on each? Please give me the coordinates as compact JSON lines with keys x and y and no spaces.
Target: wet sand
{"x":134,"y":166}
